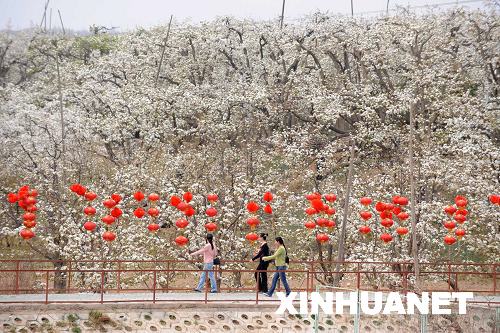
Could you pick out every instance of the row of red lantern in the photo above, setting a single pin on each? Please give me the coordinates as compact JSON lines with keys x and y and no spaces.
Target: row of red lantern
{"x":253,"y":221}
{"x":183,"y":206}
{"x":459,"y":214}
{"x":318,"y":204}
{"x":386,"y":211}
{"x":25,"y":198}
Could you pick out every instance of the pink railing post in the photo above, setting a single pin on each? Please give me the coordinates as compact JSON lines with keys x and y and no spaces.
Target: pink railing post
{"x":118,"y":277}
{"x":47,"y":287}
{"x":494,"y":266}
{"x":358,"y":277}
{"x":102,"y":286}
{"x":18,"y":264}
{"x":168,"y":275}
{"x":154,"y":286}
{"x":449,"y":276}
{"x":257,"y":288}
{"x":68,"y":289}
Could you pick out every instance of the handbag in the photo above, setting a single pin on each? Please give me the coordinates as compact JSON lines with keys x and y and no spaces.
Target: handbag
{"x":217,"y":261}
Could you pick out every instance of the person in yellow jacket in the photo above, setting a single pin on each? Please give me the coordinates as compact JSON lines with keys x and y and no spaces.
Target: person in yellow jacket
{"x":280,"y":260}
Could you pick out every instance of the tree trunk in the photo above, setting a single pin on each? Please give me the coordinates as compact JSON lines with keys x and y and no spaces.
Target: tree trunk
{"x":412,"y":198}
{"x":60,"y":278}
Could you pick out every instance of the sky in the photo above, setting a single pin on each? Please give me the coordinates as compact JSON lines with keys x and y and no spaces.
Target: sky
{"x":130,"y":14}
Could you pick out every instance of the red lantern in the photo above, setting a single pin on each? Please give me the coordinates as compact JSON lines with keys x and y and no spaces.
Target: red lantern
{"x":108,"y":236}
{"x":181,"y":240}
{"x":386,"y":238}
{"x":330,"y":197}
{"x":212,"y":198}
{"x":29,"y":223}
{"x":462,"y":211}
{"x":494,"y":199}
{"x":450,"y":210}
{"x":310,"y":211}
{"x":188,"y":197}
{"x":365,"y":215}
{"x":89,"y":210}
{"x":387,"y":223}
{"x":268,"y":196}
{"x":313,"y":196}
{"x":380,"y":207}
{"x":139,"y":212}
{"x":395,"y":199}
{"x":153,"y":227}
{"x":449,"y":240}
{"x":253,"y":222}
{"x":460,"y":201}
{"x":450,"y":225}
{"x":321,"y":222}
{"x":365,"y":201}
{"x":81,"y":190}
{"x":109,"y":203}
{"x":182,"y":206}
{"x":386,"y":214}
{"x":116,"y":212}
{"x":153,"y":197}
{"x":322,"y":238}
{"x":402,"y":231}
{"x":211,"y":227}
{"x":252,"y":237}
{"x":330,"y":211}
{"x":33,"y":193}
{"x":310,"y":225}
{"x":108,"y":219}
{"x":29,"y":201}
{"x":153,"y":211}
{"x":27,"y":234}
{"x":139,"y":196}
{"x":402,"y":201}
{"x":268,"y":209}
{"x":211,"y":212}
{"x":29,"y":216}
{"x":116,"y":197}
{"x":12,"y":197}
{"x":89,"y":226}
{"x":460,"y":233}
{"x":460,"y":218}
{"x":189,"y":211}
{"x":252,"y":206}
{"x":90,"y":196}
{"x":181,"y":223}
{"x":396,"y":210}
{"x":403,"y":216}
{"x":175,"y":201}
{"x":330,"y":224}
{"x":318,"y":205}
{"x":364,"y":229}
{"x":31,"y":208}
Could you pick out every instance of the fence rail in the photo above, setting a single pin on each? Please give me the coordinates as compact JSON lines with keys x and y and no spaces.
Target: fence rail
{"x":153,"y":280}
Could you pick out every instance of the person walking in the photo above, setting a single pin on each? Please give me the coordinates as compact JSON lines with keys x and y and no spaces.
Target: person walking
{"x":261,"y":277}
{"x":209,"y":252}
{"x":280,"y":258}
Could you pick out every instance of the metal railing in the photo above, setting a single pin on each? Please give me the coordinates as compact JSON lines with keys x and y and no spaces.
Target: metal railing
{"x":158,"y":278}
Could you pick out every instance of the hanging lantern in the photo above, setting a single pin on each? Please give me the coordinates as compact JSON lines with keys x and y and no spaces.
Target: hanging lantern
{"x":460,"y":201}
{"x":89,"y":210}
{"x":450,"y":210}
{"x":313,"y":196}
{"x":175,"y":200}
{"x":449,"y":240}
{"x":33,"y":193}
{"x":189,"y":211}
{"x":395,"y":199}
{"x":462,"y":211}
{"x":211,"y":227}
{"x":29,"y":201}
{"x":74,"y":187}
{"x":108,"y":236}
{"x":310,"y":225}
{"x":109,"y":203}
{"x":387,"y":223}
{"x":188,"y":196}
{"x":212,"y":198}
{"x":460,"y":233}
{"x":310,"y":211}
{"x":365,"y":215}
{"x":139,"y":212}
{"x":31,"y":208}
{"x":386,"y":238}
{"x":330,"y":197}
{"x":494,"y":199}
{"x":153,"y":227}
{"x":116,"y":212}
{"x":450,"y":225}
{"x":386,"y":214}
{"x":365,"y":201}
{"x":116,"y":197}
{"x":252,"y":206}
{"x":402,"y":231}
{"x":253,"y":222}
{"x":330,"y":224}
{"x":322,"y":238}
{"x":211,"y":212}
{"x":181,"y":240}
{"x":29,"y":224}
{"x":268,"y":196}
{"x":90,"y":196}
{"x":380,"y":207}
{"x":154,"y":197}
{"x":364,"y":229}
{"x":139,"y":196}
{"x":153,"y":211}
{"x":182,"y":206}
{"x":181,"y":223}
{"x":251,"y":237}
{"x":403,"y":216}
{"x":108,"y":219}
{"x":460,"y":218}
{"x":29,"y":216}
{"x":12,"y":197}
{"x":268,"y":209}
{"x":89,"y":226}
{"x":402,"y":201}
{"x":27,"y":234}
{"x":396,"y":210}
{"x":321,"y":222}
{"x":330,"y":211}
{"x":318,"y":205}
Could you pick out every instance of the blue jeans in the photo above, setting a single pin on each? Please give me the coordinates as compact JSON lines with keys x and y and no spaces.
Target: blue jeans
{"x":207,"y":267}
{"x":280,"y":274}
